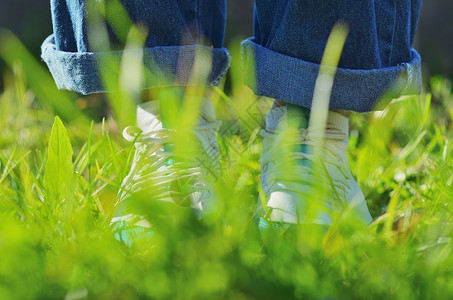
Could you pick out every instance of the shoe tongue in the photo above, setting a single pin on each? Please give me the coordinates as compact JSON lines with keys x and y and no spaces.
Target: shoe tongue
{"x":281,"y":117}
{"x":207,"y":111}
{"x":277,"y":118}
{"x":338,"y":121}
{"x":148,"y":118}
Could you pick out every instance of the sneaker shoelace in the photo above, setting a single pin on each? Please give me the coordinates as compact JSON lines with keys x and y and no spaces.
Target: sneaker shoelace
{"x":300,"y":163}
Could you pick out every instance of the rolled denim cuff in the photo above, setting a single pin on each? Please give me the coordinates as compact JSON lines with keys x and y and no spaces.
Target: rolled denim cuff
{"x":164,"y":66}
{"x":292,"y":80}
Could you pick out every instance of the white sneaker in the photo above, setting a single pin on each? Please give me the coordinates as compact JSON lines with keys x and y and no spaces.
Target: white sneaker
{"x":289,"y":180}
{"x":157,"y":172}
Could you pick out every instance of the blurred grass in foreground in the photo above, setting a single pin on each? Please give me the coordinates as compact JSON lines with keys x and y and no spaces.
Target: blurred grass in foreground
{"x":54,"y":249}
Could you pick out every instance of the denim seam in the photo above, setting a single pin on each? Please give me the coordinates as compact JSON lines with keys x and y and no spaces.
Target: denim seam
{"x":393,"y":36}
{"x":216,"y":81}
{"x":197,"y":19}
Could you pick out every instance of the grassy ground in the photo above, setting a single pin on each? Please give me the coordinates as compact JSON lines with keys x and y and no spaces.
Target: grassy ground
{"x":58,"y":186}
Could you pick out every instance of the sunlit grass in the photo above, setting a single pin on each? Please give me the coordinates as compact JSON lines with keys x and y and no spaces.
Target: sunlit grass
{"x":59,"y":180}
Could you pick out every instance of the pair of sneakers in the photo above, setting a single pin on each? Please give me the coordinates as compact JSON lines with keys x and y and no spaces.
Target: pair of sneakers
{"x":297,"y":184}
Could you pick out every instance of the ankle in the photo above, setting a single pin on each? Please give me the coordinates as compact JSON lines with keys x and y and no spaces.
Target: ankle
{"x":345,"y":113}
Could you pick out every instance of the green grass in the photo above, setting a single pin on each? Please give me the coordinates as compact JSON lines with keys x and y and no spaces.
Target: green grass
{"x":59,"y":180}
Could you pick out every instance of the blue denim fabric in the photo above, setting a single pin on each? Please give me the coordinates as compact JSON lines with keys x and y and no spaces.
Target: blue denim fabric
{"x":177,"y":29}
{"x":281,"y":61}
{"x":377,"y":63}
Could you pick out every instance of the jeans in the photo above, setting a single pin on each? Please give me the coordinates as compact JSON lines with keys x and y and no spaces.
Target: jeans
{"x":280,"y":61}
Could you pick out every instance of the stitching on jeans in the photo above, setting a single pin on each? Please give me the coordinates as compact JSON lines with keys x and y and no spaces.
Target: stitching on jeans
{"x":393,"y":34}
{"x":410,"y":77}
{"x":197,"y":20}
{"x":219,"y":78}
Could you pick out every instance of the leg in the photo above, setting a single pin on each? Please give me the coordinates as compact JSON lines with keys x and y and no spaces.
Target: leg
{"x":282,"y":62}
{"x":175,"y":31}
{"x":377,"y":61}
